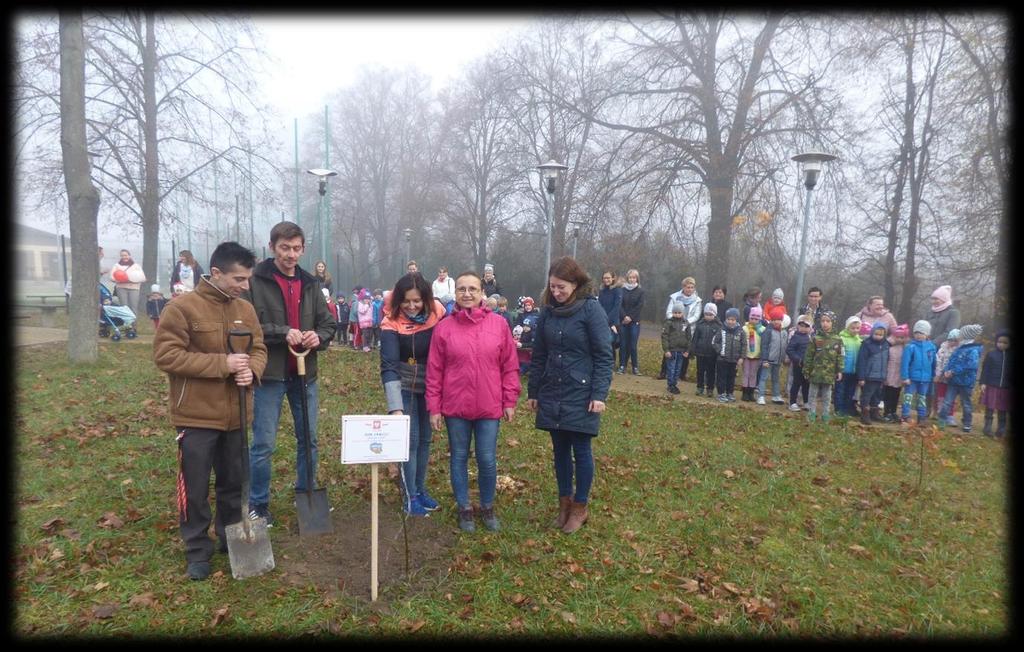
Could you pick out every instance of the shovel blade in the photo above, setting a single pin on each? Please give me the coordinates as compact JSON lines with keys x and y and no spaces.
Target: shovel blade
{"x":314,"y":512}
{"x":249,"y":552}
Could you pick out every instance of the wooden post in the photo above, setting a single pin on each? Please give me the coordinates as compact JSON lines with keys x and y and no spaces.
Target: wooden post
{"x":373,"y":532}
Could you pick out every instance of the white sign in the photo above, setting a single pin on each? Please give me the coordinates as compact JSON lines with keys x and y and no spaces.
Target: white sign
{"x":374,"y":438}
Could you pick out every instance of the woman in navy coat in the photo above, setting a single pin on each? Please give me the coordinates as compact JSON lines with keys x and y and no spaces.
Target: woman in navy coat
{"x":570,"y":375}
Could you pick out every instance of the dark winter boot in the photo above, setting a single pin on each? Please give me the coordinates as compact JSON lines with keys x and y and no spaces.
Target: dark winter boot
{"x":865,"y":417}
{"x":876,"y":415}
{"x":987,"y":429}
{"x":1001,"y":429}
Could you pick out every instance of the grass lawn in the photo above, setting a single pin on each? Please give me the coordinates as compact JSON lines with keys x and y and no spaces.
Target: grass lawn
{"x":706,"y":520}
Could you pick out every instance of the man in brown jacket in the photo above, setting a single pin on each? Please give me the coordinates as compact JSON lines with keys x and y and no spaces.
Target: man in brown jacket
{"x":191,"y":346}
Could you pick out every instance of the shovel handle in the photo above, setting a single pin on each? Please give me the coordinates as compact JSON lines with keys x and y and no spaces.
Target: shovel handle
{"x":240,"y":332}
{"x":300,"y":359}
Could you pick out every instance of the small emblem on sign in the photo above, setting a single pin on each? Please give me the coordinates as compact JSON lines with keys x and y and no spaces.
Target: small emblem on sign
{"x":376,"y":447}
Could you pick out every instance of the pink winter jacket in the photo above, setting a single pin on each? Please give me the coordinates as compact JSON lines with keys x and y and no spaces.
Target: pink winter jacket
{"x":472,"y":369}
{"x":892,"y":374}
{"x":365,"y":313}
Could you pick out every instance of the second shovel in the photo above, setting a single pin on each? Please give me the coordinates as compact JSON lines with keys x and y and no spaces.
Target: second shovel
{"x":311,"y":504}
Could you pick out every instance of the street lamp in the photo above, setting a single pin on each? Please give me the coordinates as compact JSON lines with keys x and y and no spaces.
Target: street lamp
{"x":549,"y":173}
{"x":408,"y":237}
{"x":811,"y":164}
{"x":322,"y":174}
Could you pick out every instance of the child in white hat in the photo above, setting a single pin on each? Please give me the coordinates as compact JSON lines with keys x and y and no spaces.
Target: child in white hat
{"x":155,"y":303}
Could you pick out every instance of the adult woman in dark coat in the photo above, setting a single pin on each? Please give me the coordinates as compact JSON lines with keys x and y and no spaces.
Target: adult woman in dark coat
{"x":629,"y":314}
{"x":570,"y":375}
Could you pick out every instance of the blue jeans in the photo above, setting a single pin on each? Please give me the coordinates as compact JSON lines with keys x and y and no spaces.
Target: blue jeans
{"x":920,"y":390}
{"x":629,"y":335}
{"x":568,"y":445}
{"x":844,"y":393}
{"x":268,"y":398}
{"x":952,"y":391}
{"x":673,"y":367}
{"x":414,"y":472}
{"x":762,"y":380}
{"x":461,"y":432}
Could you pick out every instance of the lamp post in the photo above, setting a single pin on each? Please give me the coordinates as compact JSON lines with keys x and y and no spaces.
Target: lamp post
{"x":811,"y":164}
{"x":549,"y":174}
{"x":321,"y":174}
{"x":408,"y":238}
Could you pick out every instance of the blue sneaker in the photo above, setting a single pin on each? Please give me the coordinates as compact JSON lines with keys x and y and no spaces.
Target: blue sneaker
{"x":415,"y":508}
{"x":428,"y":503}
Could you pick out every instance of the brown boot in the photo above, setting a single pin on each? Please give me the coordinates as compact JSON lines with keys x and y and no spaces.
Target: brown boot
{"x":865,"y":418}
{"x":564,"y":503}
{"x":577,"y":517}
{"x":876,"y":415}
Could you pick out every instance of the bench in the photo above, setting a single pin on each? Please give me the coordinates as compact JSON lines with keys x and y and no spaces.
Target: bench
{"x":47,"y":311}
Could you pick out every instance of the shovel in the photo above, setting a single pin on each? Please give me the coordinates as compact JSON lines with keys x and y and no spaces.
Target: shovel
{"x":311,"y":504}
{"x":248,"y":541}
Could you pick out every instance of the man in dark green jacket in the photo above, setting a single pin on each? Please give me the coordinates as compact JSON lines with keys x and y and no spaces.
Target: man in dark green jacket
{"x":291,"y":310}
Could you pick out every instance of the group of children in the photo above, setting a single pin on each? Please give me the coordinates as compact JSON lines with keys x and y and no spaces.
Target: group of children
{"x":358,"y":318}
{"x":865,"y":359}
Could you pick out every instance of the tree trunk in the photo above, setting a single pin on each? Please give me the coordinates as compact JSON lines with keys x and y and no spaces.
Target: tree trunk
{"x":151,"y":192}
{"x":716,"y":267}
{"x":83,"y":199}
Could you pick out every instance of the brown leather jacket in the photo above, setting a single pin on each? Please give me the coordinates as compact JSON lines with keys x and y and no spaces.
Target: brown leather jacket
{"x":190,"y":345}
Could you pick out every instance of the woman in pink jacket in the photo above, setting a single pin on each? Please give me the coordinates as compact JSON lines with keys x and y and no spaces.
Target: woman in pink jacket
{"x":472,"y":382}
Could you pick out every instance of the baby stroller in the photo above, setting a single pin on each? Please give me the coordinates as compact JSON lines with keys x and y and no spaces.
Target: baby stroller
{"x":115,"y":320}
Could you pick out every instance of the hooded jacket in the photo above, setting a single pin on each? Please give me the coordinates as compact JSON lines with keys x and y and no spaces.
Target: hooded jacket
{"x":265,"y":296}
{"x":823,"y":360}
{"x":703,"y":335}
{"x":191,"y":347}
{"x":892,"y":374}
{"x":571,"y":366}
{"x":675,"y":335}
{"x":728,"y":343}
{"x":797,"y":347}
{"x":773,"y":345}
{"x":851,"y":347}
{"x":472,"y":366}
{"x":918,"y":363}
{"x":996,"y":370}
{"x":873,"y":360}
{"x":963,"y":364}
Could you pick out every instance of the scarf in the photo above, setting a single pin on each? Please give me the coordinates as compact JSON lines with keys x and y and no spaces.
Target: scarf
{"x":688,"y":300}
{"x":566,"y":310}
{"x":752,"y":339}
{"x":418,"y":319}
{"x":631,"y":286}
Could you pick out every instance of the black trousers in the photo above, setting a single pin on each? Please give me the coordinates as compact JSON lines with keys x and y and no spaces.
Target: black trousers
{"x":725,"y":373}
{"x":891,"y":398}
{"x":199,"y":452}
{"x":800,"y":383}
{"x":706,"y":365}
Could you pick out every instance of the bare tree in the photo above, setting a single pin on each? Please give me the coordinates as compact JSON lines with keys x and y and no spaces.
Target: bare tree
{"x":83,"y":199}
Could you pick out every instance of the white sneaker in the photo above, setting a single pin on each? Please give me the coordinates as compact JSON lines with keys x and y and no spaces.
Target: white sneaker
{"x":793,"y":407}
{"x":760,"y":400}
{"x":777,"y":400}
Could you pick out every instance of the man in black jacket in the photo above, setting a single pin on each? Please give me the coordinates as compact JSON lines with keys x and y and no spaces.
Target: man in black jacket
{"x":292,"y":310}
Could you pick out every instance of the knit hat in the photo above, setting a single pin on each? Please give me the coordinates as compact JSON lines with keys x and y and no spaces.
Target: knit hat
{"x":777,"y":294}
{"x":732,"y":312}
{"x":902,"y":330}
{"x":527,"y":300}
{"x":943,"y":293}
{"x":970,"y":332}
{"x":953,"y":334}
{"x":679,"y":306}
{"x":865,"y":328}
{"x":805,"y":319}
{"x":828,"y":314}
{"x":880,"y":324}
{"x":852,"y":319}
{"x":922,"y":326}
{"x":755,"y":313}
{"x":154,"y":288}
{"x":488,"y":267}
{"x":710,"y":309}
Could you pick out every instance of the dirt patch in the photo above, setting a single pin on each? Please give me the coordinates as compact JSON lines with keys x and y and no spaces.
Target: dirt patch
{"x":340,"y":562}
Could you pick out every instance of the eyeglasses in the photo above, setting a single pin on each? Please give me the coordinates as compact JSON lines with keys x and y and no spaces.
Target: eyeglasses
{"x":467,"y":290}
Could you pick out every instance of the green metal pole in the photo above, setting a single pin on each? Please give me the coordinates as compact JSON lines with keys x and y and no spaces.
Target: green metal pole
{"x":325,"y":229}
{"x":297,"y":209}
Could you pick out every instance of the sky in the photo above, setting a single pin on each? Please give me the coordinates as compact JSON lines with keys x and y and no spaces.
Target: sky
{"x":319,"y":54}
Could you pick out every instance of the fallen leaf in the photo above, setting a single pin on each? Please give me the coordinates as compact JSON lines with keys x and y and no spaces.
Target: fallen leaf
{"x":104,"y":611}
{"x":731,"y":588}
{"x":666,"y":619}
{"x":729,"y":474}
{"x":691,"y":585}
{"x":111,"y":521}
{"x":219,"y":616}
{"x":860,"y":551}
{"x":414,"y":627}
{"x":143,"y":600}
{"x":820,"y":481}
{"x":568,"y":617}
{"x":51,"y":526}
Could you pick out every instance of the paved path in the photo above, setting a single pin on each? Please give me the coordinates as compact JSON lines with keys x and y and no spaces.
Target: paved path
{"x":37,"y":335}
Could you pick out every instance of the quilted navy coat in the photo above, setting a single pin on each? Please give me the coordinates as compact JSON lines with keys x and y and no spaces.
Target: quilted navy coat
{"x":571,"y":366}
